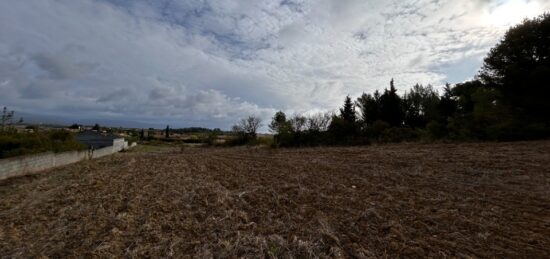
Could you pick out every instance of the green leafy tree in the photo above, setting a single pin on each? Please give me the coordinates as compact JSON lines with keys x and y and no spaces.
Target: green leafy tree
{"x":447,"y":104}
{"x":369,"y":106}
{"x":279,"y":123}
{"x":420,"y":105}
{"x":282,"y":128}
{"x":519,"y":68}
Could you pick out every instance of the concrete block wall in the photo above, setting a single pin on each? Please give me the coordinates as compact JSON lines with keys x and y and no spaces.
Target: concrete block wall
{"x":23,"y":165}
{"x":17,"y":166}
{"x":101,"y":152}
{"x":118,"y":144}
{"x":70,"y":157}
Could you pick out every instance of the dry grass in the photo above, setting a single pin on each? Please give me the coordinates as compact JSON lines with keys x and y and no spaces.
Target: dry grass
{"x":444,"y":200}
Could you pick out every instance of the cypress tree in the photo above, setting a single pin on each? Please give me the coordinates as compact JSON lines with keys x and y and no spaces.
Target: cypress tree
{"x":390,"y":107}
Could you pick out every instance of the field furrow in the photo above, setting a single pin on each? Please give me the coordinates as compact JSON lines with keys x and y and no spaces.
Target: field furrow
{"x":436,"y":200}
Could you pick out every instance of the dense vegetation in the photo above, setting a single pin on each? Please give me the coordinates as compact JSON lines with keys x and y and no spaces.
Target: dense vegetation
{"x":195,"y":130}
{"x":507,"y":100}
{"x":14,"y":144}
{"x":32,"y":140}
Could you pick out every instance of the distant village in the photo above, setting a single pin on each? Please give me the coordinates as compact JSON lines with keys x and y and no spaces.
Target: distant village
{"x":84,"y":133}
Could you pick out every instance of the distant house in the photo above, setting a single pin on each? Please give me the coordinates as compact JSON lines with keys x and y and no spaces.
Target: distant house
{"x":97,"y":140}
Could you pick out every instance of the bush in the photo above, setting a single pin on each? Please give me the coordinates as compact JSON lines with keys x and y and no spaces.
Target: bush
{"x":211,"y":138}
{"x":16,"y":144}
{"x":374,"y":131}
{"x":342,"y":131}
{"x":239,"y":139}
{"x":436,"y":130}
{"x":262,"y":141}
{"x":398,"y":135}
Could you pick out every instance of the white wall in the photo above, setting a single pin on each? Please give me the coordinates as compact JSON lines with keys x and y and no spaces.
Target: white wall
{"x":23,"y":165}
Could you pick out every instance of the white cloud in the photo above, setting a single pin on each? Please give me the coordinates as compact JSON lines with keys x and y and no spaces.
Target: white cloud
{"x":211,"y":62}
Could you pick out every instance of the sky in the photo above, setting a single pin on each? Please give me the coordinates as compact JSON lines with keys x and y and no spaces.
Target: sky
{"x":208,"y":63}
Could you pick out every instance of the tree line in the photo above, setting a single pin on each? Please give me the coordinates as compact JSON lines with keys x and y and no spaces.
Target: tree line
{"x":506,"y":100}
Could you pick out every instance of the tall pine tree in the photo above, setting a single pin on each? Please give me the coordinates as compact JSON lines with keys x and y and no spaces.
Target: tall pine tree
{"x":390,"y":107}
{"x":348,"y":111}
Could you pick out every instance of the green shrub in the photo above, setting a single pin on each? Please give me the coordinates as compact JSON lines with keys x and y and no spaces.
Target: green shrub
{"x":436,"y":130}
{"x":398,"y":135}
{"x":16,"y":144}
{"x":262,"y":141}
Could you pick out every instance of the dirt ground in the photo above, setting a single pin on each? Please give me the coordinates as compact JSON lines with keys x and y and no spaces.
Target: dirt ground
{"x":402,"y":200}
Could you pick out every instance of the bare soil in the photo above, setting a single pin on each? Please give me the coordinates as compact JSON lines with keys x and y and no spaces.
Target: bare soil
{"x":403,"y":200}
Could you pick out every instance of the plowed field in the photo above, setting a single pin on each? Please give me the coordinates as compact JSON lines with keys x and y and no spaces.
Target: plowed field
{"x":415,"y":200}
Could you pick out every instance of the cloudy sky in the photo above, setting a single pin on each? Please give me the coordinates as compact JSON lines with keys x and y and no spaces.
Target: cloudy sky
{"x":209,"y":62}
